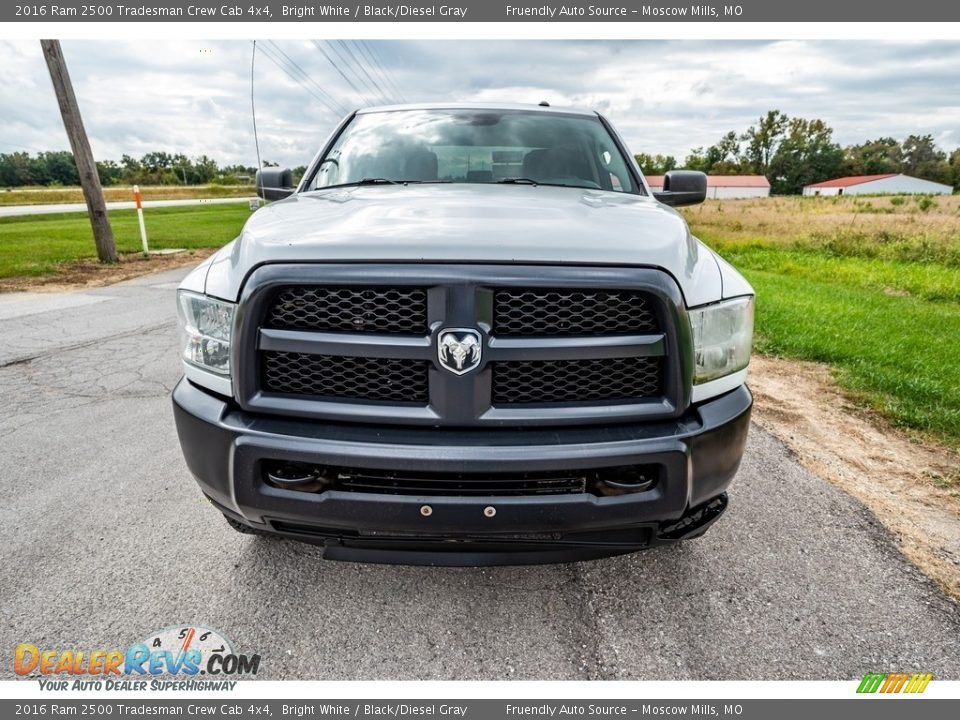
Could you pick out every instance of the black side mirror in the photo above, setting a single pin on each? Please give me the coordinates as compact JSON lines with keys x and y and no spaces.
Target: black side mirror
{"x":275,"y":183}
{"x":683,"y":187}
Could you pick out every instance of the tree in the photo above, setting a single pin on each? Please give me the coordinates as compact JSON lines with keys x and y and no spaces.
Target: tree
{"x":655,"y":164}
{"x":704,"y":159}
{"x":806,"y":154}
{"x":955,"y":168}
{"x":762,"y":141}
{"x":874,"y":157}
{"x":922,"y":159}
{"x":17,"y":169}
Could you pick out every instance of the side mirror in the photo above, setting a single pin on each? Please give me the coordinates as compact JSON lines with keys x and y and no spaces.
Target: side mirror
{"x":275,"y":183}
{"x":683,"y":187}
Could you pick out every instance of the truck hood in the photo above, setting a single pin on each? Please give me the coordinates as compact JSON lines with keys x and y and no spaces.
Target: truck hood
{"x":469,"y":223}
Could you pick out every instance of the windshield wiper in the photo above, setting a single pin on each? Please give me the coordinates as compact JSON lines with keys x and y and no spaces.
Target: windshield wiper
{"x":517,"y":181}
{"x":377,"y":181}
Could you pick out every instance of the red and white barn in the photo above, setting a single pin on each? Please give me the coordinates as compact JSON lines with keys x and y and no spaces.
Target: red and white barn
{"x":725,"y":186}
{"x":889,"y":184}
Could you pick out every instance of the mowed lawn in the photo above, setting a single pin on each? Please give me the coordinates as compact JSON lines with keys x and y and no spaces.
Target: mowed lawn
{"x":870,"y":286}
{"x":37,"y":245}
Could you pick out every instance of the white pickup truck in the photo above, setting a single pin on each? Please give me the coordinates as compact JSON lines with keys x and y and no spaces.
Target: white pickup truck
{"x":470,"y":335}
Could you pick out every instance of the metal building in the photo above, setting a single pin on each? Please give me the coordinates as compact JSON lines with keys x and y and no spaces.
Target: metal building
{"x":889,"y":184}
{"x":726,"y":186}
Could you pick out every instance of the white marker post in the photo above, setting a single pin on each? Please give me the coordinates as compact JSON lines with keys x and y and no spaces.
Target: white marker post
{"x":143,"y":228}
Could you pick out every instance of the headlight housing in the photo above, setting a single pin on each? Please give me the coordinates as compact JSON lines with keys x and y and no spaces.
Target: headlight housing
{"x":722,"y":338}
{"x":206,"y":326}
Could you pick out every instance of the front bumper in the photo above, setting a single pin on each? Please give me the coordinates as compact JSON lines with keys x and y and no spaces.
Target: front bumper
{"x":698,"y":455}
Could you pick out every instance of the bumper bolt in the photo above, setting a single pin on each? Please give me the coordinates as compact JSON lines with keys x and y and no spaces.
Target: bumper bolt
{"x":426,"y":510}
{"x":489,"y":511}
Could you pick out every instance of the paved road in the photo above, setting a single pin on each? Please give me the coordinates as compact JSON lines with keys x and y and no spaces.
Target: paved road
{"x":104,"y":538}
{"x":49,"y":209}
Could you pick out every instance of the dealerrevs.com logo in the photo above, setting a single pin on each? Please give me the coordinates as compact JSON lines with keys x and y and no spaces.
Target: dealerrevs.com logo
{"x":172,"y":659}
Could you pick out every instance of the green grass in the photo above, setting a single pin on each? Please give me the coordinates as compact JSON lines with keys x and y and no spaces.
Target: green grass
{"x":897,"y":355}
{"x":928,"y":281}
{"x":36,"y":245}
{"x":871,"y":288}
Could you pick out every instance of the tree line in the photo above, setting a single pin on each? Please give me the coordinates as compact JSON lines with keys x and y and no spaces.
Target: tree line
{"x":57,"y":168}
{"x":792,"y":152}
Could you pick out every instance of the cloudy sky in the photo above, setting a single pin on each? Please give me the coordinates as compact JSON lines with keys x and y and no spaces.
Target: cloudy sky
{"x":665,"y":96}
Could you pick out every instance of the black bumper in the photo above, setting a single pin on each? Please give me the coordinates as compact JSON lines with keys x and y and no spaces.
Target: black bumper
{"x":698,"y":455}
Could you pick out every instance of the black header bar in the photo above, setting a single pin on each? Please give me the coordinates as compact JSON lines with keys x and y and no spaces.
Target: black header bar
{"x":616,"y":11}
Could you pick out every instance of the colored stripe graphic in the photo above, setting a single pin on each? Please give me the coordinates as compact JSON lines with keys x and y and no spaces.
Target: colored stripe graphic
{"x":894,"y":683}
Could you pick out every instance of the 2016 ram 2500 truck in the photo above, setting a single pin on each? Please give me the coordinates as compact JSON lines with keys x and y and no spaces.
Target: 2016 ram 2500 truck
{"x":470,"y":335}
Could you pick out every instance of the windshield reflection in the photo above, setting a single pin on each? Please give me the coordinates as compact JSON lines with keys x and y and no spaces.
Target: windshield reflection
{"x":475,"y":146}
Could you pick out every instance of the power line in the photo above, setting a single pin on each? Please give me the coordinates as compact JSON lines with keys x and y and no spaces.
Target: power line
{"x":369,"y":80}
{"x":337,"y":107}
{"x":304,"y":80}
{"x":372,"y":54}
{"x":342,"y":74}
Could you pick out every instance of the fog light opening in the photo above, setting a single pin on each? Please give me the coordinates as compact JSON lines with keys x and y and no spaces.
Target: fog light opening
{"x":625,"y":480}
{"x":295,"y":476}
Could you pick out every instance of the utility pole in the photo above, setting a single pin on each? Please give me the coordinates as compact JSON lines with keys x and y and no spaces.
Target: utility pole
{"x":86,"y":167}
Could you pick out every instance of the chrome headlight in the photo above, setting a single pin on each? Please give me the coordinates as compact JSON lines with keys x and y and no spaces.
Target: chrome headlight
{"x":206,"y":325}
{"x":722,"y":337}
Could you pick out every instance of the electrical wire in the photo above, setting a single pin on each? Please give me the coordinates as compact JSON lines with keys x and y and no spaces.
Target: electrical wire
{"x":336,"y":67}
{"x":371,"y":52}
{"x":276,"y":56}
{"x":366,"y":79}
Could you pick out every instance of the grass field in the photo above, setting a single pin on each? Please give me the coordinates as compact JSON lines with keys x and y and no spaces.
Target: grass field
{"x":870,"y":286}
{"x":46,"y":195}
{"x":38,"y":244}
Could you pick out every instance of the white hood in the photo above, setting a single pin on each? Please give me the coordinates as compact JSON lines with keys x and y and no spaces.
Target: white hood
{"x":470,"y":223}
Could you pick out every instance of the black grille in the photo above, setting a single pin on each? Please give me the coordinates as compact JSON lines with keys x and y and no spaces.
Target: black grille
{"x":401,"y":311}
{"x":457,"y":484}
{"x":527,"y":312}
{"x":352,"y":378}
{"x":551,"y":381}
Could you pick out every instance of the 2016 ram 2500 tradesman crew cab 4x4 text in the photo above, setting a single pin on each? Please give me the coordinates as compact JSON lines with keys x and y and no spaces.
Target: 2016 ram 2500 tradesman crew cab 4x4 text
{"x":470,"y":335}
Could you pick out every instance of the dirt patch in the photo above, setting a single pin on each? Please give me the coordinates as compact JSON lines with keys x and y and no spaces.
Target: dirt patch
{"x":90,"y":273}
{"x":912,"y":486}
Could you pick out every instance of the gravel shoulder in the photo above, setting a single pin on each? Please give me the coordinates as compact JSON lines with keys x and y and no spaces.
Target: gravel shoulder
{"x":911,"y":484}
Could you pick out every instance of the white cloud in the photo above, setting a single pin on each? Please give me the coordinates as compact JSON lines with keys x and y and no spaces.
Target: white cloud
{"x":194,"y":97}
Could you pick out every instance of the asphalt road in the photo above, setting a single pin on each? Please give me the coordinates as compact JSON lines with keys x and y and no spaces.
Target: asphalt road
{"x":104,"y":538}
{"x":52,"y":208}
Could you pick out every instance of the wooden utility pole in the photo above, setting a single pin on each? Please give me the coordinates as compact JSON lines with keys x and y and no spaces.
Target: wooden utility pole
{"x":86,"y":167}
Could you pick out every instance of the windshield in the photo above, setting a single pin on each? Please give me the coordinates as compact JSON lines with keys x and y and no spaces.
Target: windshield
{"x":475,"y":146}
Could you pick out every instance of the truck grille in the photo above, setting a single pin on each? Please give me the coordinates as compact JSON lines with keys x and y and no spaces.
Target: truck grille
{"x":526,"y":312}
{"x":457,"y":484}
{"x":563,"y":381}
{"x":353,"y":378}
{"x":364,"y":347}
{"x":346,"y":309}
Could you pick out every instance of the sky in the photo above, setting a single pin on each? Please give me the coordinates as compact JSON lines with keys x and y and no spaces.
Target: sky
{"x":666,"y":97}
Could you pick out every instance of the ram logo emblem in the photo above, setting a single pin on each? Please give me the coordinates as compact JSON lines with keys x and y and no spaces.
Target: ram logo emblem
{"x":459,"y":349}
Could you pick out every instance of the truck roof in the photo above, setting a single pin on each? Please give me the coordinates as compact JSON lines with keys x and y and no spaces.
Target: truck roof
{"x":478,"y":106}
